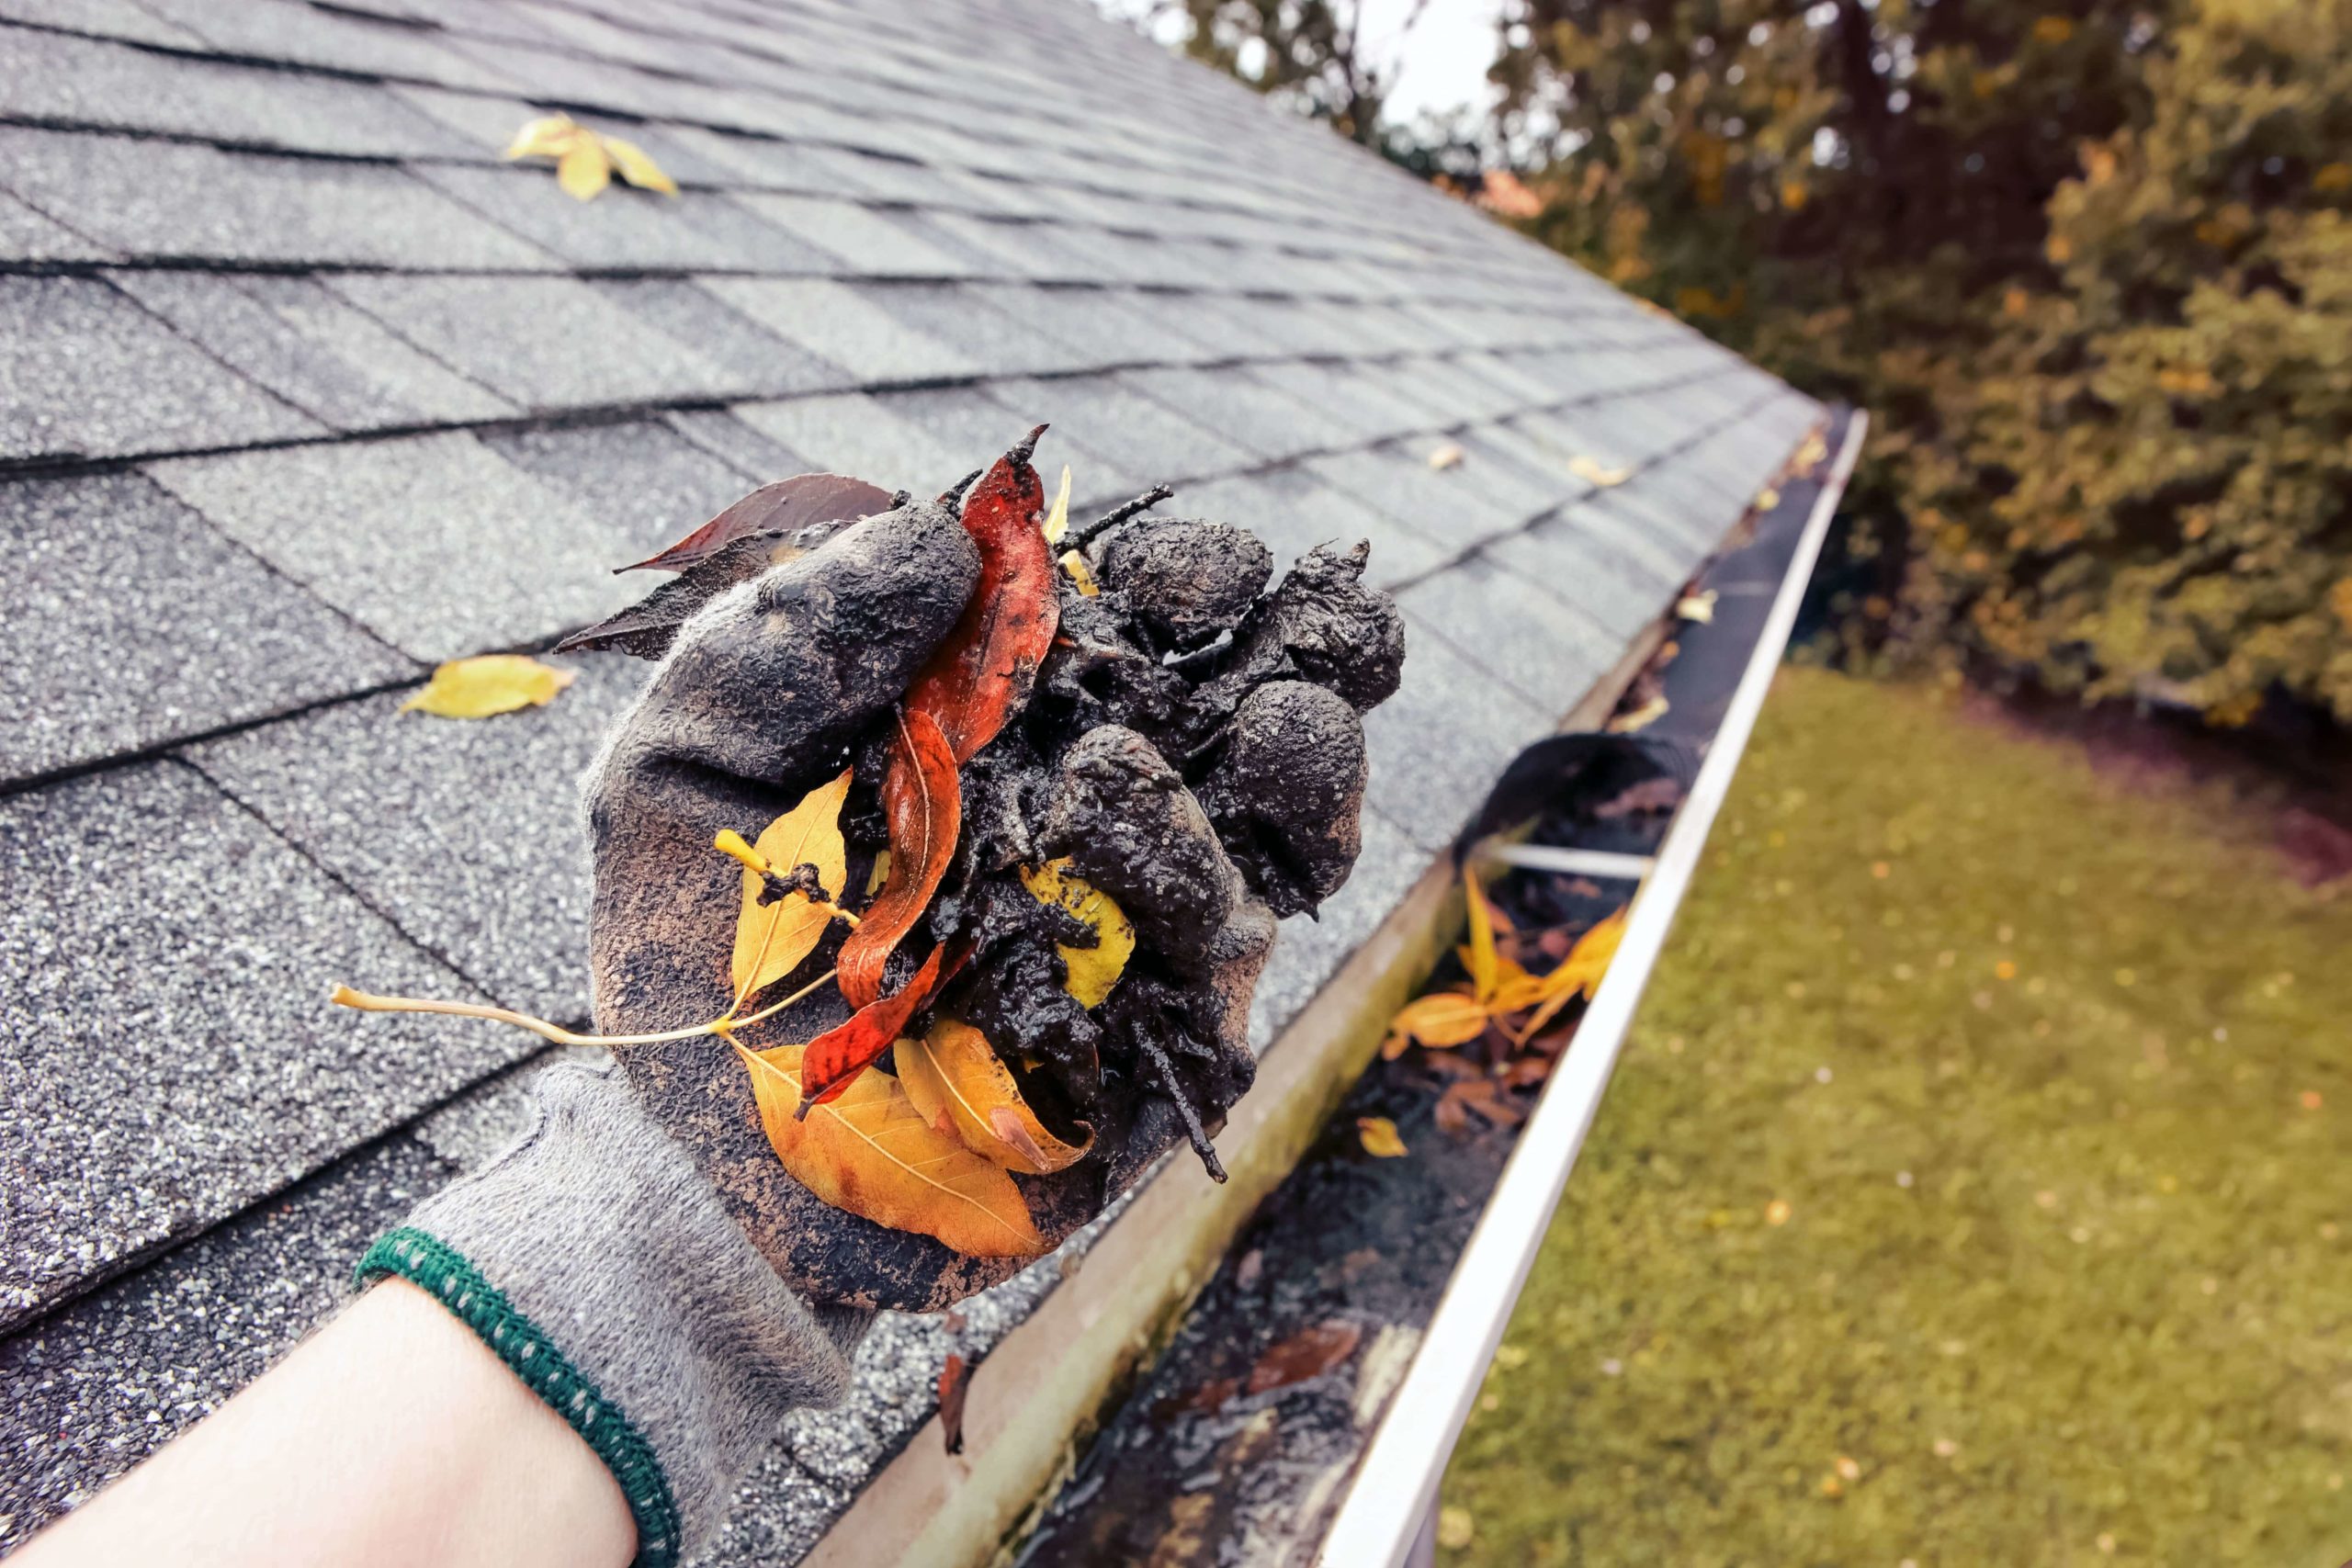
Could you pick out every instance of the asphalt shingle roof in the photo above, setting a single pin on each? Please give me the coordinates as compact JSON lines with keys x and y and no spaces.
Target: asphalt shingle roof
{"x":302,"y":389}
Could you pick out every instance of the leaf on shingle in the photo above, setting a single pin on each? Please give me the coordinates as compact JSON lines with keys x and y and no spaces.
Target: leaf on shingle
{"x":585,"y":162}
{"x":771,"y":939}
{"x":583,"y":170}
{"x":1446,"y":457}
{"x":550,"y":137}
{"x":961,"y":1086}
{"x":492,"y":683}
{"x":1597,"y":473}
{"x":630,"y":162}
{"x":870,"y":1151}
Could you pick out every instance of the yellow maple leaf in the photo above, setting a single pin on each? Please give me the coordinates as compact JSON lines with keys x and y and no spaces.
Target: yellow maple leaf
{"x":870,"y":1151}
{"x":959,"y":1086}
{"x":771,"y":939}
{"x":1092,"y":970}
{"x":1379,"y":1137}
{"x":492,"y":683}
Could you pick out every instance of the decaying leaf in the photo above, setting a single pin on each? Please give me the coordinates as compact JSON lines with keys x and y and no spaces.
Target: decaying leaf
{"x":787,"y":506}
{"x":1092,"y":970}
{"x":960,"y":1087}
{"x":869,"y":1152}
{"x":954,"y":1379}
{"x":492,"y":683}
{"x":1081,"y":574}
{"x":1449,"y":456}
{"x":585,"y":162}
{"x":984,"y":669}
{"x":1640,"y":717}
{"x":1699,"y":606}
{"x":1379,"y":1137}
{"x":838,"y":1057}
{"x":1597,"y":473}
{"x":771,"y":939}
{"x":921,"y":802}
{"x":1309,"y":1353}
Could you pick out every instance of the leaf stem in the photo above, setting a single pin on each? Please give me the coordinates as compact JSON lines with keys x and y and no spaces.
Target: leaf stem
{"x":367,"y":1002}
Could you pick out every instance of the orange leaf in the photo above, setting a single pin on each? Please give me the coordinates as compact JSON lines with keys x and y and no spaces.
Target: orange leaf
{"x":1580,"y":972}
{"x":1441,"y":1019}
{"x":1378,"y":1136}
{"x":1482,"y":962}
{"x":924,"y":805}
{"x":871,"y":1153}
{"x":953,"y":1074}
{"x":771,"y":939}
{"x":984,"y":669}
{"x":838,"y":1056}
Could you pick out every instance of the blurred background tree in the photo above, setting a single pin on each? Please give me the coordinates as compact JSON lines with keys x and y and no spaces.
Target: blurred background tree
{"x":2084,"y":262}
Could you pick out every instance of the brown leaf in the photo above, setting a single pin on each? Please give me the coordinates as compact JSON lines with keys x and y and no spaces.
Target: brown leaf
{"x":923,"y":805}
{"x":954,"y":1378}
{"x":1309,"y":1353}
{"x":836,"y":1057}
{"x":871,"y":1154}
{"x":787,"y":506}
{"x":983,"y":670}
{"x":1451,"y":1119}
{"x":959,"y":1084}
{"x":771,"y":939}
{"x":647,"y":629}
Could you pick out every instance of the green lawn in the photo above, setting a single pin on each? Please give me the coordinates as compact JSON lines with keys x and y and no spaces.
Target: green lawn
{"x":1973,"y":1191}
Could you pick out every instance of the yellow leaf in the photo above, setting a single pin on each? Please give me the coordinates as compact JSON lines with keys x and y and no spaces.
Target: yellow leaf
{"x":636,"y":167}
{"x":879,"y":874}
{"x":583,"y":170}
{"x":1057,"y":519}
{"x":1596,"y":473}
{"x":1378,"y":1136}
{"x":1092,"y":970}
{"x":1766,"y":499}
{"x":2053,"y":29}
{"x":1515,"y":989}
{"x":960,"y":1088}
{"x":1580,"y":972}
{"x":1481,"y":958}
{"x":549,"y":138}
{"x":1446,"y":457}
{"x":870,"y":1151}
{"x":771,"y":939}
{"x":2332,"y":177}
{"x":1641,"y":717}
{"x":1699,"y":606}
{"x":1075,"y":564}
{"x":493,"y":683}
{"x":2339,"y":599}
{"x":1440,"y":1020}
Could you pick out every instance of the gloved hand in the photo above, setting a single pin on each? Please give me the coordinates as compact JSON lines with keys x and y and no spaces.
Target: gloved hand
{"x":673,"y":1295}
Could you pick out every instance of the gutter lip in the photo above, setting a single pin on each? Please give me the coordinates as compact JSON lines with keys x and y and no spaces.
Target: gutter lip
{"x":1386,"y":1507}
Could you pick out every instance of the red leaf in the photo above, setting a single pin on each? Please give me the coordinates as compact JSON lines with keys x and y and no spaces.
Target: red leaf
{"x":842,"y":1051}
{"x":922,"y":800}
{"x":778,"y":508}
{"x":954,"y":1378}
{"x":1309,"y":1353}
{"x":984,"y":669}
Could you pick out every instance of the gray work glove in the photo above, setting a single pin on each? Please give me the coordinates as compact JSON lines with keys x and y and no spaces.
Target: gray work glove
{"x":673,"y":1295}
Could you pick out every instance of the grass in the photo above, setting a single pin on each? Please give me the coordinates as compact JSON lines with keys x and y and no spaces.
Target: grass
{"x":1973,"y":1191}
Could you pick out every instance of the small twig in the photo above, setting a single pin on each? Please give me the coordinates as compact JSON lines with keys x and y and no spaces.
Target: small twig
{"x":1078,"y":538}
{"x":1193,"y":1128}
{"x":953,"y":494}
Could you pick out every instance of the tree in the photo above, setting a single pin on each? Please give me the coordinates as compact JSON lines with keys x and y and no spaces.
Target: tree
{"x":1310,"y":51}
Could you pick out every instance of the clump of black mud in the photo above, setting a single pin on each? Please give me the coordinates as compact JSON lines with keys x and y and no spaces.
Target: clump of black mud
{"x":1194,"y":747}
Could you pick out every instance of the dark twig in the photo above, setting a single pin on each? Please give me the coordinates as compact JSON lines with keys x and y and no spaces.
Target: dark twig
{"x":1026,"y":447}
{"x":1193,"y":1128}
{"x":1078,"y":538}
{"x":953,"y":494}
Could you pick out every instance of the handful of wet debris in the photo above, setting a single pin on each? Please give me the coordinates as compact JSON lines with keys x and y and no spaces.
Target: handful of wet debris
{"x":1085,"y":773}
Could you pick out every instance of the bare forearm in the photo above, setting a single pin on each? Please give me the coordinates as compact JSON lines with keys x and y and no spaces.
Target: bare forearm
{"x":392,"y":1436}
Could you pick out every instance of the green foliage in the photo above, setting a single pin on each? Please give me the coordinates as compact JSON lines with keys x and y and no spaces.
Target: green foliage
{"x":2087,"y":264}
{"x":2062,"y":1257}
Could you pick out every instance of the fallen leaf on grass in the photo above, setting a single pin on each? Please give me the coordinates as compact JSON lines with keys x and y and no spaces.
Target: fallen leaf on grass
{"x":954,"y":1379}
{"x":1092,"y":970}
{"x":1446,"y":457}
{"x":1596,"y":473}
{"x":587,"y":162}
{"x":921,"y":802}
{"x":1309,"y":1353}
{"x":960,"y":1087}
{"x":1455,"y":1528}
{"x":771,"y":939}
{"x":871,"y":1153}
{"x":1699,"y":606}
{"x":492,"y":683}
{"x":1379,"y":1137}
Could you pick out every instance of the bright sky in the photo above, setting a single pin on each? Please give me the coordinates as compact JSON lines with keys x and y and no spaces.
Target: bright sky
{"x":1441,"y":63}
